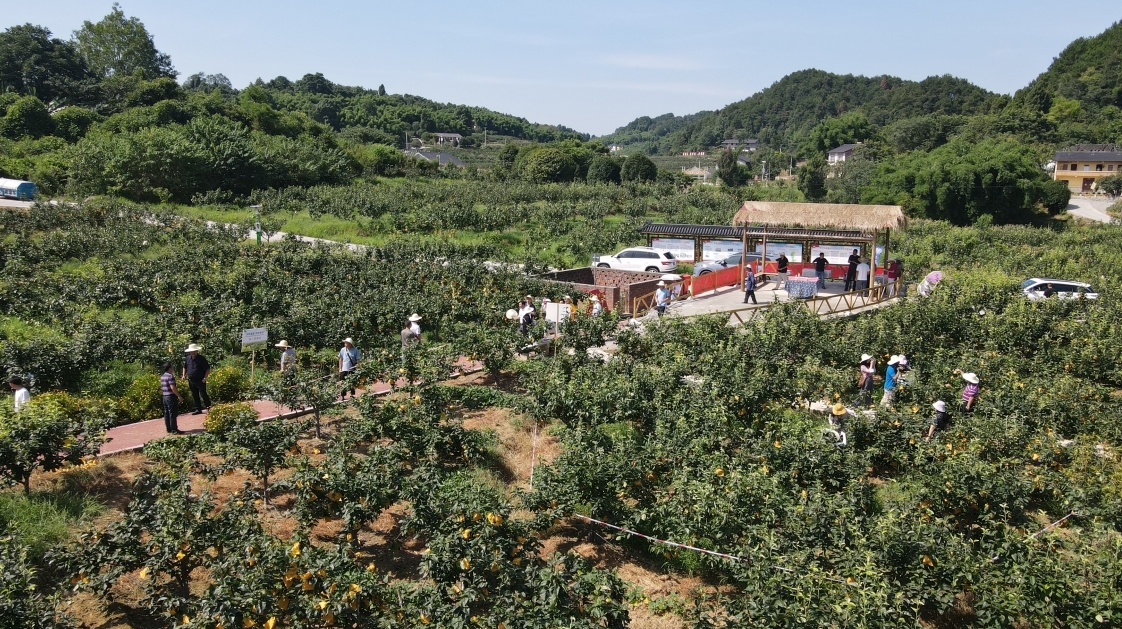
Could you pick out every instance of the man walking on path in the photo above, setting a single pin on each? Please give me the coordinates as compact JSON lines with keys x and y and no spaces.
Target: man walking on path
{"x":863,"y":275}
{"x":820,"y":269}
{"x":288,"y":355}
{"x":22,"y":395}
{"x":348,"y":361}
{"x":172,"y":399}
{"x":196,"y":369}
{"x":781,"y":269}
{"x":890,"y":382}
{"x":749,"y":284}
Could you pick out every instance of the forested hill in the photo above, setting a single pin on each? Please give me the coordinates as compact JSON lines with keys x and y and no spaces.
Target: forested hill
{"x":783,"y":114}
{"x":1083,"y":86}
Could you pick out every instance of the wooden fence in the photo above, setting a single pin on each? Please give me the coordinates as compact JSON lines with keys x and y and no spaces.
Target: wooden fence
{"x":827,"y":305}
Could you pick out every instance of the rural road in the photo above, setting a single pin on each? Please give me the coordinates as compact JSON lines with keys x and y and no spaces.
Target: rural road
{"x":1090,"y":209}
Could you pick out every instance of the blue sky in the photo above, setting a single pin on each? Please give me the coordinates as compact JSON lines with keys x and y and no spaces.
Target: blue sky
{"x":593,"y":66}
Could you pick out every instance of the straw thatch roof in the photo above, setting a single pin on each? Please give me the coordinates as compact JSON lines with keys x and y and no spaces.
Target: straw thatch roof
{"x":835,"y":215}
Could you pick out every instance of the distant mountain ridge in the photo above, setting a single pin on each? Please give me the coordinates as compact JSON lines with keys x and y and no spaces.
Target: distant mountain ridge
{"x":785,"y":112}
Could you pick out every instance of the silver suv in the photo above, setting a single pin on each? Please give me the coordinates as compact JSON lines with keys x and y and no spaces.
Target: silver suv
{"x":640,"y":259}
{"x":1035,"y":287}
{"x":701,"y":268}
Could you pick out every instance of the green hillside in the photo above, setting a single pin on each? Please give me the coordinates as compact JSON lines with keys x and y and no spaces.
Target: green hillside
{"x":783,"y":114}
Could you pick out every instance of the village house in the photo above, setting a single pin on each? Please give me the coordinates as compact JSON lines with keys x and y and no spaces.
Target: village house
{"x":1080,"y":165}
{"x":750,"y":144}
{"x":842,"y":153}
{"x":451,"y":138}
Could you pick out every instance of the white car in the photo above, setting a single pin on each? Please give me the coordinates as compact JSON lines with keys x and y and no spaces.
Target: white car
{"x":1034,"y":288}
{"x":640,"y":259}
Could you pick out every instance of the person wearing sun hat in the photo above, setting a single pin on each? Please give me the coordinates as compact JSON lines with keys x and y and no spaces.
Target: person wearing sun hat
{"x":288,"y":355}
{"x":662,"y":297}
{"x":838,"y":415}
{"x":970,"y":391}
{"x":940,"y":421}
{"x":890,"y":381}
{"x":414,"y":324}
{"x":196,"y":370}
{"x":868,"y":371}
{"x":597,"y":307}
{"x":349,"y":356}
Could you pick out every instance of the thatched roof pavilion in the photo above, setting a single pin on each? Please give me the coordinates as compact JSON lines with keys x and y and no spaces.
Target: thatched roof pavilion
{"x":848,"y":216}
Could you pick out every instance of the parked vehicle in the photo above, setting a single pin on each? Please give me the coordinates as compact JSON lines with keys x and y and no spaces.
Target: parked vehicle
{"x":640,"y":259}
{"x":701,"y":268}
{"x":18,"y":189}
{"x":1034,"y":288}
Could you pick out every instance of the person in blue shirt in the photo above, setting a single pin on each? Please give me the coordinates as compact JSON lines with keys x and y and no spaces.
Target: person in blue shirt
{"x":890,"y":381}
{"x":749,"y":284}
{"x":662,"y":297}
{"x":348,"y":361}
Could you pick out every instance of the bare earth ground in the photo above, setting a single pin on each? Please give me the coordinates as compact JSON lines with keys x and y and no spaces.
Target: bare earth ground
{"x":652,"y":587}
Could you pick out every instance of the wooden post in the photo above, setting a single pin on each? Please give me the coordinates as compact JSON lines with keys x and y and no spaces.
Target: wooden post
{"x":763,"y":255}
{"x":252,"y":365}
{"x":887,"y":232}
{"x":743,"y":252}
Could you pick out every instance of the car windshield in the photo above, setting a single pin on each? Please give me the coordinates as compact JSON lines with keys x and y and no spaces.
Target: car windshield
{"x":733,"y":259}
{"x":668,"y":255}
{"x":1027,"y":283}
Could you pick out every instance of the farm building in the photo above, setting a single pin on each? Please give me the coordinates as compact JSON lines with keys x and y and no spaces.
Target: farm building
{"x":18,"y":189}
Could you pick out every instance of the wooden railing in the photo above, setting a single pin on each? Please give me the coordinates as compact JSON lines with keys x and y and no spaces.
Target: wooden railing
{"x":643,"y":304}
{"x":826,"y":305}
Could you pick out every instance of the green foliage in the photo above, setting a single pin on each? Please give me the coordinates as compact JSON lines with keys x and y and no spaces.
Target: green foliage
{"x":548,"y":165}
{"x":142,"y":400}
{"x":260,"y":448}
{"x":26,"y":118}
{"x":848,"y":128}
{"x":117,"y":46}
{"x":603,"y":169}
{"x":34,"y":63}
{"x":46,"y":435}
{"x":728,"y":168}
{"x":812,"y":178}
{"x":221,"y":418}
{"x":22,"y":603}
{"x":227,"y":384}
{"x":638,"y":168}
{"x":1111,"y":185}
{"x":42,"y":520}
{"x":72,"y":123}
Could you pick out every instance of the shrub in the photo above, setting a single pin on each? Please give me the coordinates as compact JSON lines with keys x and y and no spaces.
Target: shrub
{"x":141,"y":400}
{"x":227,"y":384}
{"x":223,"y":417}
{"x":112,"y":379}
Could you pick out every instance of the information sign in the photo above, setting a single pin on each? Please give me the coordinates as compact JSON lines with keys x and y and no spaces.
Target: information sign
{"x":254,"y":339}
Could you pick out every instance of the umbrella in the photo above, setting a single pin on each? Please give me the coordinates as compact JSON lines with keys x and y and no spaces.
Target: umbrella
{"x":670,"y":277}
{"x":934,"y":277}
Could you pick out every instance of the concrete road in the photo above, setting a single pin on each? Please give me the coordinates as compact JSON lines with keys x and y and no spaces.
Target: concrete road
{"x":16,"y":204}
{"x":1090,"y":209}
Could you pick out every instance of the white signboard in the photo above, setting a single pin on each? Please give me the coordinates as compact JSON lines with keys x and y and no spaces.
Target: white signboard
{"x":720,"y":249}
{"x":835,"y":254}
{"x":794,"y":252}
{"x":682,"y":248}
{"x":254,"y":338}
{"x":556,"y":312}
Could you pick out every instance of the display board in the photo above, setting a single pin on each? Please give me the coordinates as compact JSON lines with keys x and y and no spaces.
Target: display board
{"x":835,"y":254}
{"x":794,"y":251}
{"x":720,"y":249}
{"x":254,"y":339}
{"x":682,"y":248}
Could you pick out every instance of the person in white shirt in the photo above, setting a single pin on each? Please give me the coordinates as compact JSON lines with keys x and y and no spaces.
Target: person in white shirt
{"x":596,"y":307}
{"x":414,"y":325}
{"x":662,"y":297}
{"x":22,"y":395}
{"x":863,"y":275}
{"x":288,"y":355}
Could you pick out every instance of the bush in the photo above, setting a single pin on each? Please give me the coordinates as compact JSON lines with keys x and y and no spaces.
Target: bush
{"x":110,"y":379}
{"x":227,"y":384}
{"x":223,"y":417}
{"x":142,"y":399}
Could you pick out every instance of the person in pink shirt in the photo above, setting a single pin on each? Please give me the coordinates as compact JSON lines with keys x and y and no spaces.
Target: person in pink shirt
{"x":970,"y":391}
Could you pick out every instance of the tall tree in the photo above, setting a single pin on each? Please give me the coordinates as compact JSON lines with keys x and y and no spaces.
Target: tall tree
{"x":639,"y":168}
{"x":728,"y":168}
{"x":812,"y":178}
{"x":36,"y":64}
{"x":121,"y":46}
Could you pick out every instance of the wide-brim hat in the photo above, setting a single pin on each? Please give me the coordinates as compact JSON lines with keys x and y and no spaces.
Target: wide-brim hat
{"x":903,"y":359}
{"x":894,"y":359}
{"x":838,"y":409}
{"x":349,"y":340}
{"x":970,"y":377}
{"x":865,"y":357}
{"x":940,"y":406}
{"x":283,"y":344}
{"x":414,"y":317}
{"x":512,"y":314}
{"x":594,"y":298}
{"x":661,"y":283}
{"x":194,"y":348}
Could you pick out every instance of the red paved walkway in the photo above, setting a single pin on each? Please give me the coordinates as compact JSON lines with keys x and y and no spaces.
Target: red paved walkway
{"x":134,"y":436}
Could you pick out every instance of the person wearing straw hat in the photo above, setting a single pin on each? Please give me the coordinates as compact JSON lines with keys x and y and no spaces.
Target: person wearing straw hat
{"x":868,"y":370}
{"x":414,"y":324}
{"x":662,"y":297}
{"x":970,"y":391}
{"x":597,"y":307}
{"x":408,"y":337}
{"x":196,"y":370}
{"x":940,"y":421}
{"x":349,"y":356}
{"x":838,"y":415}
{"x":288,"y":355}
{"x":890,"y":381}
{"x":749,"y":284}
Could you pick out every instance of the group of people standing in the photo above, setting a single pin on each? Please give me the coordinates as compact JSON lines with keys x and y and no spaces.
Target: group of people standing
{"x":527,"y":314}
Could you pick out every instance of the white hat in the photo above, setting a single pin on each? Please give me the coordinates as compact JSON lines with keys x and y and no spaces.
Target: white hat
{"x":940,"y":406}
{"x":594,"y":298}
{"x":903,"y":359}
{"x":512,"y":314}
{"x":414,"y":317}
{"x":283,"y":344}
{"x":970,"y":377}
{"x":349,"y":340}
{"x":661,"y":283}
{"x":865,"y":357}
{"x":193,"y":348}
{"x":894,"y":359}
{"x":546,"y":300}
